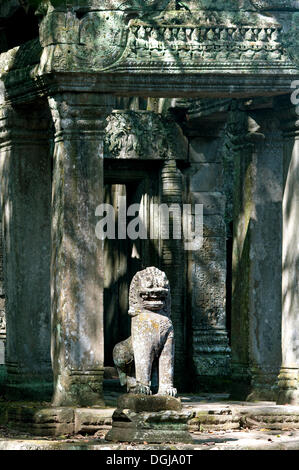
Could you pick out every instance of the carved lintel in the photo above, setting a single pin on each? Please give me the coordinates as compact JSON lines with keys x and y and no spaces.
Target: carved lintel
{"x":144,"y":135}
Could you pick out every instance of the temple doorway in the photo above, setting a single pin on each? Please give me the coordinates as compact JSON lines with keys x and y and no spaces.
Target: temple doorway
{"x":124,"y":257}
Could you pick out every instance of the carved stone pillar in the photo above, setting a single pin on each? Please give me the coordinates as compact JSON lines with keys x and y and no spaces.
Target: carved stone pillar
{"x":207,"y":270}
{"x":289,"y":372}
{"x":211,"y":351}
{"x":25,"y":166}
{"x":173,"y":263}
{"x":77,"y":255}
{"x":240,"y":153}
{"x":256,"y":286}
{"x":207,"y":264}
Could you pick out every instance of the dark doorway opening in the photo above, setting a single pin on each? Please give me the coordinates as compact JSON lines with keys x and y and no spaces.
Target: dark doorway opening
{"x":124,"y":257}
{"x":20,"y":27}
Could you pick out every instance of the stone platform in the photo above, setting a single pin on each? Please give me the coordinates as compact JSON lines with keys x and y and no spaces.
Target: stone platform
{"x":208,"y":413}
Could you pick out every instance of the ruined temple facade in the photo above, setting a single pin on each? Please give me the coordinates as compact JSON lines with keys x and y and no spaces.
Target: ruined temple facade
{"x":161,"y":102}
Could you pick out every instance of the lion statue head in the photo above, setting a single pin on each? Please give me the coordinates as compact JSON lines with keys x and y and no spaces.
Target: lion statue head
{"x":150,"y":291}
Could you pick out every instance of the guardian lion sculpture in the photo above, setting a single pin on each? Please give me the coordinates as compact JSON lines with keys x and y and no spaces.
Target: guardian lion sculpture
{"x":151,"y":343}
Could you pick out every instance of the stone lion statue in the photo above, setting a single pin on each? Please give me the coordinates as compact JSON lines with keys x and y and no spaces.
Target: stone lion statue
{"x":150,"y":348}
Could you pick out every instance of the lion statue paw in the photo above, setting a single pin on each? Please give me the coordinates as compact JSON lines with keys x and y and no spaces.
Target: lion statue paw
{"x":142,"y":389}
{"x":171,"y":391}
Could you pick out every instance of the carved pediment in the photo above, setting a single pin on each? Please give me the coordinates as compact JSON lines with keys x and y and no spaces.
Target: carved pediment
{"x":231,"y":45}
{"x":177,"y":40}
{"x":212,"y":42}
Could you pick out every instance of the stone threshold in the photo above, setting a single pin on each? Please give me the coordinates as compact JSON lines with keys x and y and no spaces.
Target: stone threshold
{"x":41,"y":419}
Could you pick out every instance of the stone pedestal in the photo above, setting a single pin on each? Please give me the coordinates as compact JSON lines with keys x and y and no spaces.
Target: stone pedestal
{"x":151,"y":419}
{"x":77,"y":254}
{"x":289,"y":373}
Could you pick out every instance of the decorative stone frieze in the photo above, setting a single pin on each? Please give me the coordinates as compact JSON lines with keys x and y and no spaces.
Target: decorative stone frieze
{"x":204,"y":43}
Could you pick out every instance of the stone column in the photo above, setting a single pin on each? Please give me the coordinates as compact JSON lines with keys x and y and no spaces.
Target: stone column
{"x":25,"y":166}
{"x":237,"y":156}
{"x":77,"y":255}
{"x":173,"y":263}
{"x":289,"y":373}
{"x":256,"y":289}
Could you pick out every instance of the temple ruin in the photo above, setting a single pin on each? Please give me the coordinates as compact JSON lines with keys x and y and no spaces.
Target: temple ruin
{"x":162,"y":102}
